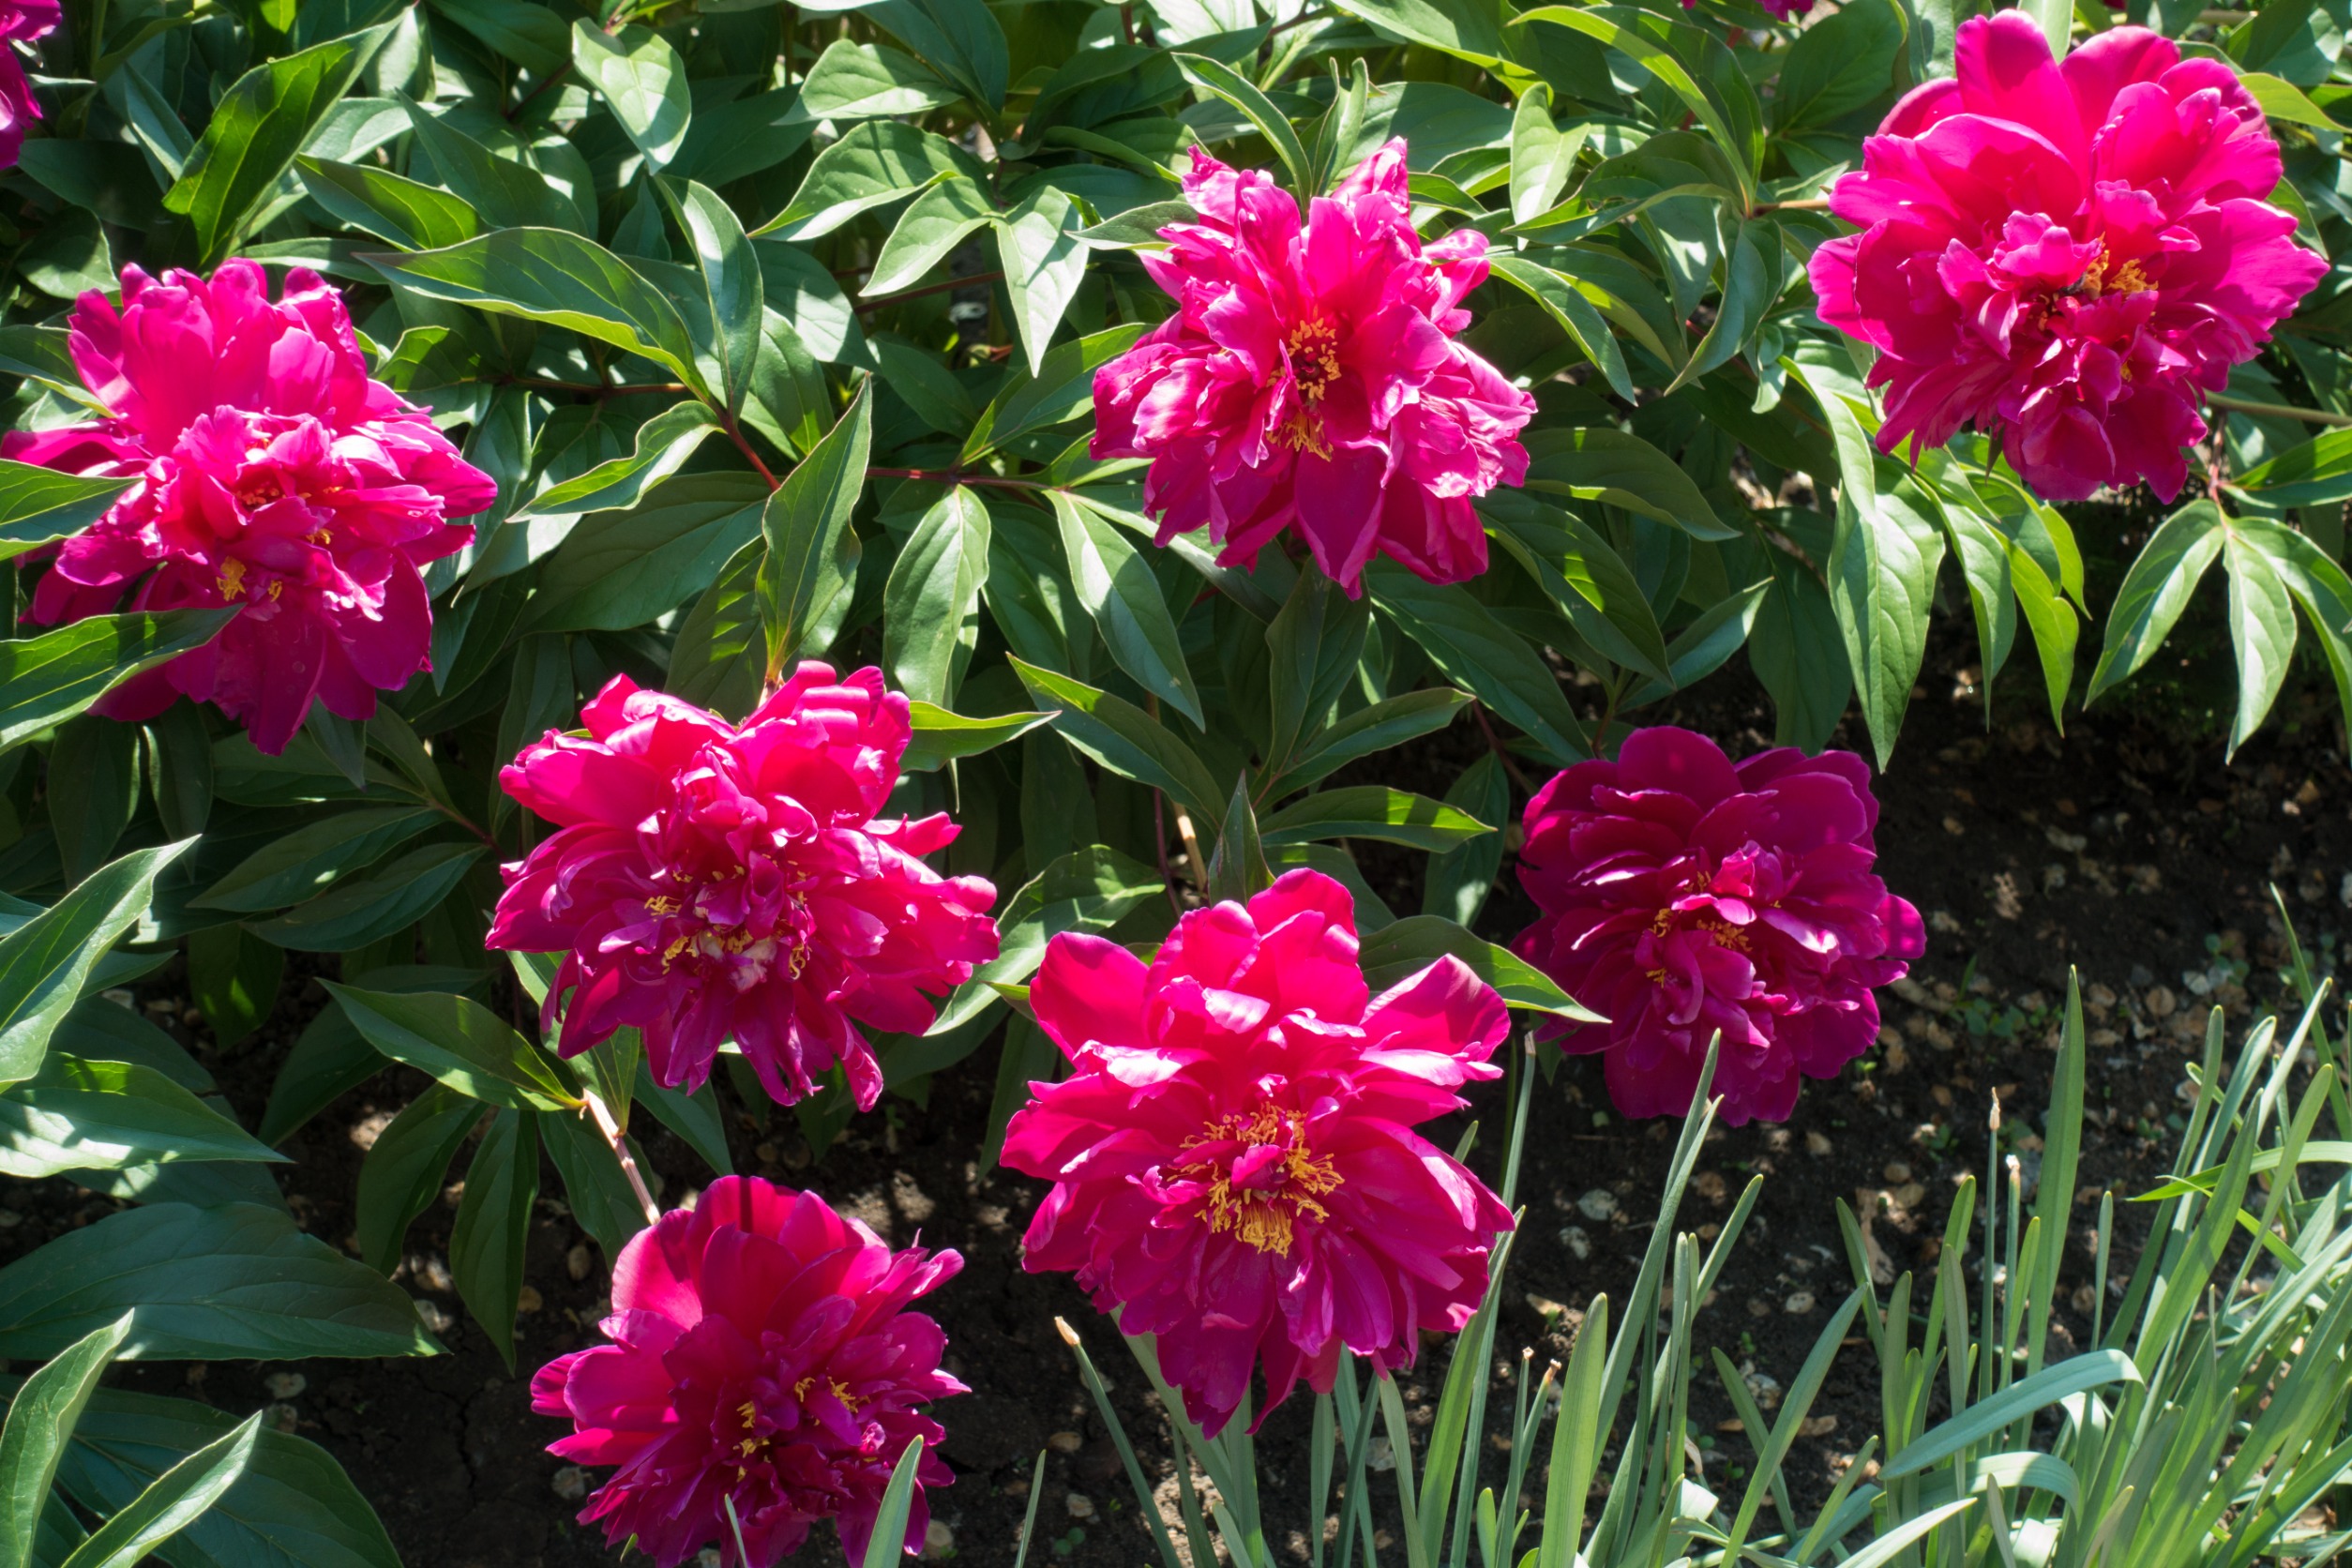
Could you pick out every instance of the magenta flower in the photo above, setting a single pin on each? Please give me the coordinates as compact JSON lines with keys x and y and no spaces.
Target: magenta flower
{"x":761,"y":1353}
{"x":1233,"y":1158}
{"x":2066,"y":254}
{"x":712,"y":882}
{"x":274,"y":475}
{"x":1682,"y":894}
{"x":1309,"y":377}
{"x":21,"y":21}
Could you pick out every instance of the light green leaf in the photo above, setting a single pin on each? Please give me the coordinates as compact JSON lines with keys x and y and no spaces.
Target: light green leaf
{"x":2155,"y":591}
{"x":1089,"y":890}
{"x":730,"y":279}
{"x":931,"y":606}
{"x":1372,"y":811}
{"x":40,"y":505}
{"x":458,"y":1041}
{"x":78,"y":1115}
{"x":1121,"y":592}
{"x":877,"y":163}
{"x":644,"y":82}
{"x":1124,"y":739}
{"x":174,"y":1501}
{"x":2261,"y":630}
{"x":927,"y":232}
{"x":1405,"y":947}
{"x":41,"y":1417}
{"x":941,"y":737}
{"x":807,"y":525}
{"x":50,"y":678}
{"x":46,"y":962}
{"x":867,"y":80}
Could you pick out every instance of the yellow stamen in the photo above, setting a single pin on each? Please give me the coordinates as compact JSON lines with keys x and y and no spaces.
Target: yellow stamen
{"x":231,"y":577}
{"x":1264,"y":1219}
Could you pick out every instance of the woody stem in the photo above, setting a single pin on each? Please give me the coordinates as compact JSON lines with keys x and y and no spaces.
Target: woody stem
{"x":610,"y":1131}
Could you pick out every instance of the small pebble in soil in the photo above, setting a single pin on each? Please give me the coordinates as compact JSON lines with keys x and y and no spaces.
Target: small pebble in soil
{"x":2159,"y":1001}
{"x":1066,"y":1443}
{"x":280,"y":1418}
{"x":1762,"y":1386}
{"x":1379,"y":1455}
{"x":434,"y":1317}
{"x":1897,"y":1170}
{"x":939,"y":1541}
{"x":570,"y":1484}
{"x":1817,"y":1145}
{"x":285,"y":1385}
{"x":1816,"y":1426}
{"x":577,"y":1262}
{"x":528,"y":1300}
{"x":1579,"y":1246}
{"x":432,"y":1273}
{"x":1798,"y":1304}
{"x":1598,"y":1204}
{"x":1082,"y":1507}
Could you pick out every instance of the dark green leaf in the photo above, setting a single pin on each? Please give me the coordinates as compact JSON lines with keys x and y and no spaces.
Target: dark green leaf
{"x":1403,"y":949}
{"x":41,"y":1417}
{"x":48,"y":679}
{"x":46,"y":962}
{"x":458,"y":1041}
{"x":1373,"y":811}
{"x":358,"y":911}
{"x":40,"y":505}
{"x":1124,"y":739}
{"x":1090,"y":889}
{"x":622,"y":568}
{"x":313,"y":857}
{"x":1475,"y":649}
{"x":486,"y":1245}
{"x":232,"y":978}
{"x":404,"y":1170}
{"x":171,"y":1502}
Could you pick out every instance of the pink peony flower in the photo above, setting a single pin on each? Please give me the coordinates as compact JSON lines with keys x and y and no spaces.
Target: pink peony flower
{"x":1309,"y":377}
{"x":1233,"y":1158}
{"x":1682,"y":894}
{"x":761,"y":1353}
{"x":2064,"y":253}
{"x":21,"y":21}
{"x":712,"y":881}
{"x":274,"y":475}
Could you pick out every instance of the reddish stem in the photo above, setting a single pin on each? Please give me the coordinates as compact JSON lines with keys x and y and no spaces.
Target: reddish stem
{"x":880,"y":300}
{"x":734,"y":433}
{"x":1494,"y":742}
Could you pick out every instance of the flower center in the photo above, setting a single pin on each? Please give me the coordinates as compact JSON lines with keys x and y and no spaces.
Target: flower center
{"x":231,"y":582}
{"x":748,"y":947}
{"x":1314,"y":355}
{"x":2128,"y":279}
{"x":1261,"y":1180}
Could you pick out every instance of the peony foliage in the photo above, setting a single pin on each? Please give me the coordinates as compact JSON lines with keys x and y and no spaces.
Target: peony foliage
{"x":700,"y":559}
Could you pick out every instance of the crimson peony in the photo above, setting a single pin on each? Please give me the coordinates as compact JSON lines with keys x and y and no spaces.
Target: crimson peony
{"x":1233,"y":1158}
{"x":1682,"y":894}
{"x":714,"y":881}
{"x":274,"y":475}
{"x":761,"y":1355}
{"x":1309,"y":377}
{"x":2064,"y":253}
{"x":21,"y":21}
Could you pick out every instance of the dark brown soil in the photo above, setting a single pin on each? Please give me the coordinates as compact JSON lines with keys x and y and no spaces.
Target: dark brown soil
{"x":2121,"y":849}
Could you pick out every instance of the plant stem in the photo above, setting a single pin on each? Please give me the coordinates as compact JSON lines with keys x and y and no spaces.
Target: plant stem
{"x":2277,"y":410}
{"x":595,"y":388}
{"x":941,"y":287}
{"x":1494,"y":742}
{"x":1805,"y":204}
{"x":610,"y":1131}
{"x":734,"y":433}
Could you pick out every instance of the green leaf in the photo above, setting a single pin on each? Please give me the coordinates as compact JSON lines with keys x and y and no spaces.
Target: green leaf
{"x":47,"y":680}
{"x":720,"y":655}
{"x":644,"y":82}
{"x":1471,"y":649}
{"x":2282,"y":100}
{"x":237,"y":1282}
{"x":46,"y":962}
{"x":1124,"y":739}
{"x":531,"y":35}
{"x":1088,"y":890}
{"x":2074,"y":1375}
{"x":877,"y":163}
{"x":1406,"y":947}
{"x":358,"y":911}
{"x":931,"y":606}
{"x":1043,"y":264}
{"x":77,"y":1115}
{"x":458,"y":1041}
{"x":101,"y":757}
{"x":1577,"y":315}
{"x":233,"y":978}
{"x":928,"y":233}
{"x":730,"y":279}
{"x":493,"y":1226}
{"x":886,"y":1546}
{"x":1702,"y":647}
{"x":1218,"y":80}
{"x":1314,"y":646}
{"x":961,"y":39}
{"x":41,"y":1417}
{"x":404,"y":1169}
{"x":695,"y":1117}
{"x":1604,"y":464}
{"x":254,"y":133}
{"x":1837,"y":65}
{"x":504,"y":190}
{"x":172,"y":1503}
{"x":2261,"y":632}
{"x":413,"y":216}
{"x":2156,"y":589}
{"x":2316,"y":473}
{"x":1620,"y":28}
{"x":1122,"y":594}
{"x":331,"y":1057}
{"x":40,"y":505}
{"x":1374,"y":728}
{"x":664,"y":442}
{"x":867,"y":80}
{"x":1541,"y":157}
{"x":621,"y":568}
{"x":1458,"y":882}
{"x":292,"y":1507}
{"x":551,"y":275}
{"x":315,"y":856}
{"x":1585,"y":578}
{"x":1237,"y":868}
{"x":599,"y":1195}
{"x":941,"y":737}
{"x":1060,"y":391}
{"x":1373,"y":811}
{"x":807,"y":525}
{"x":44,"y":355}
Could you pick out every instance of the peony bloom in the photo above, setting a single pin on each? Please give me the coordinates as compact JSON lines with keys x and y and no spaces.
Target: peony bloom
{"x":1310,"y":376}
{"x":762,"y":1352}
{"x":2064,"y":253}
{"x":1233,"y":1158}
{"x":1682,"y":894}
{"x":21,"y":21}
{"x":274,"y":475}
{"x":712,"y":881}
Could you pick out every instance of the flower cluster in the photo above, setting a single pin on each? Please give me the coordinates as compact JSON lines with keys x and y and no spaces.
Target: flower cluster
{"x":1309,"y":379}
{"x":714,"y":881}
{"x":761,"y":1355}
{"x":21,"y":21}
{"x":1683,"y":896}
{"x":274,"y":475}
{"x":1232,"y":1155}
{"x":2066,"y":253}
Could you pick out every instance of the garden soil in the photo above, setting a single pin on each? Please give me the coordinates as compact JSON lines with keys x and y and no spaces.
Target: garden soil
{"x":2122,"y":849}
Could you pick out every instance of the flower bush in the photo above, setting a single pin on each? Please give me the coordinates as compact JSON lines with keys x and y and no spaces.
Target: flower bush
{"x":505,"y":422}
